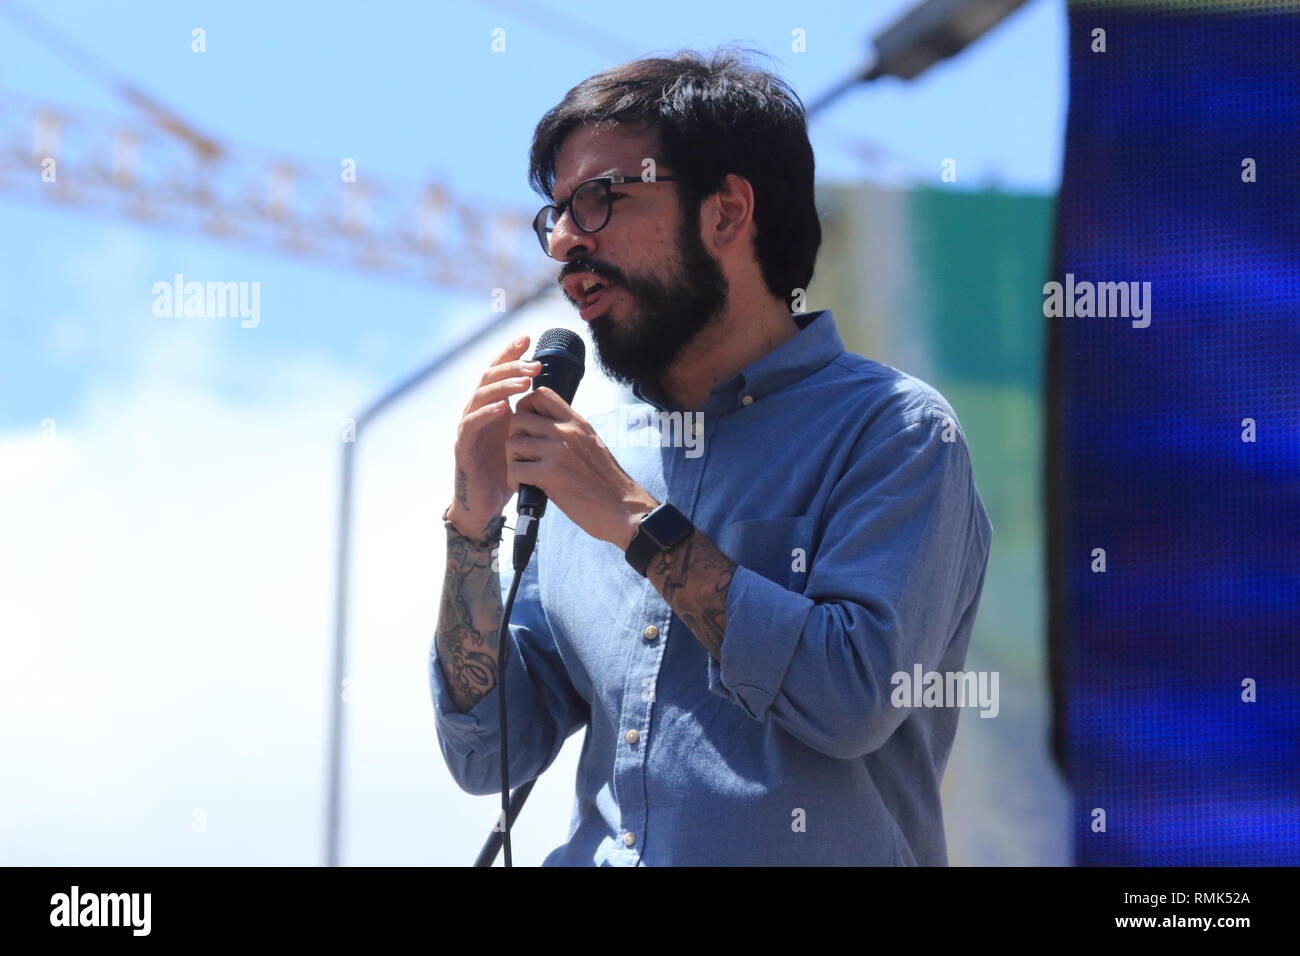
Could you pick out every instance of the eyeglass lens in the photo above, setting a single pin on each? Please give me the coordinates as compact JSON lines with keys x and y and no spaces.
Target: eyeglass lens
{"x":590,"y":207}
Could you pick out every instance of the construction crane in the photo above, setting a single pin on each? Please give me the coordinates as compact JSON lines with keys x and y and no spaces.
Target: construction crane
{"x":161,"y":171}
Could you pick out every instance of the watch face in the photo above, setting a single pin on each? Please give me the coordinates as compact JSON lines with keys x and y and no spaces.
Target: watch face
{"x":667,"y":526}
{"x":658,"y":531}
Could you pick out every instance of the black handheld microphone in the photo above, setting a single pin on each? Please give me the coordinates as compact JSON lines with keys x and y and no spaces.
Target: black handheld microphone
{"x":563,"y":356}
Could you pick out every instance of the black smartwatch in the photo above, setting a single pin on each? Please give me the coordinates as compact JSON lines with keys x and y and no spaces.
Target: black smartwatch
{"x":660,"y":530}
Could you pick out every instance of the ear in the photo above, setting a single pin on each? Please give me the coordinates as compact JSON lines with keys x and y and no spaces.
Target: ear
{"x":729,"y":212}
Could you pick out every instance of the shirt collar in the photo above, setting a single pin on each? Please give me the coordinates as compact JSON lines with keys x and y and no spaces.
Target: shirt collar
{"x":816,"y":344}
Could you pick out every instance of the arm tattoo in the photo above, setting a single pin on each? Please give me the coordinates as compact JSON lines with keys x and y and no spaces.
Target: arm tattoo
{"x":693,"y":576}
{"x":462,"y":488}
{"x":468,"y":621}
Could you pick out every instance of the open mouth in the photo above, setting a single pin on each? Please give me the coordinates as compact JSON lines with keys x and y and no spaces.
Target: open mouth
{"x":594,"y":298}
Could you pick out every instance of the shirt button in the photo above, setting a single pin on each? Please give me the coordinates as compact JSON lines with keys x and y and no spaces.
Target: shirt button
{"x":629,"y":838}
{"x":747,"y":400}
{"x":650,"y":633}
{"x":632,"y":736}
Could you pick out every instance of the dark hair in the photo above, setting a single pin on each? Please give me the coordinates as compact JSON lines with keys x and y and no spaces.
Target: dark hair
{"x":713,"y":116}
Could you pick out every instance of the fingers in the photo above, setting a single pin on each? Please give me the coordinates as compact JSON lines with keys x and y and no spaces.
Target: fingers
{"x":509,"y":368}
{"x":543,"y":401}
{"x":515,"y":369}
{"x":499,"y":391}
{"x":526,"y":448}
{"x":527,"y":422}
{"x":512,"y":351}
{"x":524,"y":472}
{"x":484,"y":416}
{"x":510,"y":374}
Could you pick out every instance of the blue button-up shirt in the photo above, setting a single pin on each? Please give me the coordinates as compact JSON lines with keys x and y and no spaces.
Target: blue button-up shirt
{"x":843,"y":490}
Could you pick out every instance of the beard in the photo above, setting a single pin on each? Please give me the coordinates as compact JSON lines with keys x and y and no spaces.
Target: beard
{"x":666,"y":316}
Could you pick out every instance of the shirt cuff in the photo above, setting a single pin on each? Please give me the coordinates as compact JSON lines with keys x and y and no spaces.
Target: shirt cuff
{"x":764,"y":625}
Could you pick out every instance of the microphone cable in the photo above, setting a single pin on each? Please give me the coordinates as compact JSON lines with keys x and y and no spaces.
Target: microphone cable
{"x":563,"y":356}
{"x":503,"y":652}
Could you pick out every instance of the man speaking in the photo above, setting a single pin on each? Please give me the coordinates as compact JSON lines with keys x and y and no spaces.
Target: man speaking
{"x":725,"y":623}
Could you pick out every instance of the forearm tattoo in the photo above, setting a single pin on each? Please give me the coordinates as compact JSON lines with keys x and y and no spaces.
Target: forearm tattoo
{"x":468,"y":621}
{"x":693,"y":577}
{"x":462,"y":488}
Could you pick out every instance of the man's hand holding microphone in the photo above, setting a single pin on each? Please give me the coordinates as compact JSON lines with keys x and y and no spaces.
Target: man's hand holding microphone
{"x":543,"y":443}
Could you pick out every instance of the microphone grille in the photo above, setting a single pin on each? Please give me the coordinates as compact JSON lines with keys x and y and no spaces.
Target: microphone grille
{"x":563,"y":340}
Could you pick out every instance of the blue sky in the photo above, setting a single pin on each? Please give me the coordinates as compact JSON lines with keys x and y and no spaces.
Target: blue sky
{"x":167,"y":485}
{"x":412,"y":91}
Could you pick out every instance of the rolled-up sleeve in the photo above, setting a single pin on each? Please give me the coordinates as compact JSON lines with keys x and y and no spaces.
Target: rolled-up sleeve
{"x":901,"y":553}
{"x":543,"y":708}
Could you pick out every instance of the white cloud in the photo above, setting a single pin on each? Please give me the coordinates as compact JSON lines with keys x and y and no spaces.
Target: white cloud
{"x":169,"y":577}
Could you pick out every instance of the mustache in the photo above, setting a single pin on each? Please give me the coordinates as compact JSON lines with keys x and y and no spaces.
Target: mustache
{"x":599,"y":269}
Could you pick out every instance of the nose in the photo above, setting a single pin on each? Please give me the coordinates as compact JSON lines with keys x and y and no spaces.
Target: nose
{"x":568,"y":241}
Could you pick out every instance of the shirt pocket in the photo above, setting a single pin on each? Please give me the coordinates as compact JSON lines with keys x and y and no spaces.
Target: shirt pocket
{"x":779,"y":549}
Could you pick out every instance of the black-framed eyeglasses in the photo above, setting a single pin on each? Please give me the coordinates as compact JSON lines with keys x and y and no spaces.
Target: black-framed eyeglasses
{"x":591,"y":204}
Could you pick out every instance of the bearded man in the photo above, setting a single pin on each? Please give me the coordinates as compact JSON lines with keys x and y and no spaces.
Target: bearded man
{"x":726,"y":625}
